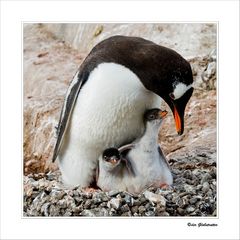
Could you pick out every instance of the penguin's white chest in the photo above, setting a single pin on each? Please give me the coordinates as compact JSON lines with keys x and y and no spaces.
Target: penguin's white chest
{"x":110,"y":106}
{"x":108,"y":112}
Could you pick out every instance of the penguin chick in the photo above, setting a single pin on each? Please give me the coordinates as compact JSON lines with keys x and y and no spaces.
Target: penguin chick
{"x":113,"y":169}
{"x":145,"y":163}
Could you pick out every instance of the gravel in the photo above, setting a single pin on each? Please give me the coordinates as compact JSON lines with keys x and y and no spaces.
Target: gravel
{"x":193,"y":193}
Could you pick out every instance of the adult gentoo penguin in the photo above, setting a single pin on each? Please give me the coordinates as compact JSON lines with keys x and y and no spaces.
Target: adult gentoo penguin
{"x":105,"y":102}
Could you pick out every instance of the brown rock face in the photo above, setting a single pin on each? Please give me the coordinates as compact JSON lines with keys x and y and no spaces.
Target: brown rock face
{"x":48,"y":68}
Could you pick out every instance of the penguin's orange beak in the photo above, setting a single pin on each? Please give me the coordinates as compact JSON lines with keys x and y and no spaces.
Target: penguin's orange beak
{"x":177,"y":120}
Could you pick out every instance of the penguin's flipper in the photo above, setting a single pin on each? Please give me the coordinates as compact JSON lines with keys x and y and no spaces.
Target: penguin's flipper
{"x":69,"y":102}
{"x":163,"y":157}
{"x":126,"y":147}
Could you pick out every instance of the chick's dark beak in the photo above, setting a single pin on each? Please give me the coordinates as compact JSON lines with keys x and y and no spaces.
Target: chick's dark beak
{"x":162,"y":114}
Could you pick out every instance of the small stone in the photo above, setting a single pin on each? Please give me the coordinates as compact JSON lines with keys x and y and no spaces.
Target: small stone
{"x":156,"y":198}
{"x":125,"y":208}
{"x":182,"y":202}
{"x":113,"y":212}
{"x":189,"y":188}
{"x":114,"y":203}
{"x":206,"y":178}
{"x":127,"y":214}
{"x":193,"y":200}
{"x":199,"y":187}
{"x":53,"y":210}
{"x":206,"y":208}
{"x":45,"y":208}
{"x":103,"y":204}
{"x":164,"y":214}
{"x":102,"y":212}
{"x":205,"y":187}
{"x":87,"y":213}
{"x":129,"y":200}
{"x":136,"y":202}
{"x":190,"y":209}
{"x":134,"y":209}
{"x":181,"y":211}
{"x":142,"y":199}
{"x":149,"y":213}
{"x":141,"y":209}
{"x":87,"y":204}
{"x":187,"y":174}
{"x":214,"y":213}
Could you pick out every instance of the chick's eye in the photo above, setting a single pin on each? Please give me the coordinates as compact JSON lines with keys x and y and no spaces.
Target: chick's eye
{"x":151,"y":116}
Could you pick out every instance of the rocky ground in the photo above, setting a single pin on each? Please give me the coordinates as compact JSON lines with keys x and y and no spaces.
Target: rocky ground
{"x":193,"y":193}
{"x":49,"y":64}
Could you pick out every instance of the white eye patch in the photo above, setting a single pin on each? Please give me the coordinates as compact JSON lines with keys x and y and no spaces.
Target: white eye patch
{"x":180,"y":89}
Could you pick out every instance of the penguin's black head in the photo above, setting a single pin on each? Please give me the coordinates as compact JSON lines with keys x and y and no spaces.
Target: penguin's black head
{"x":111,"y":155}
{"x":161,"y":70}
{"x":173,"y":83}
{"x":154,"y":114}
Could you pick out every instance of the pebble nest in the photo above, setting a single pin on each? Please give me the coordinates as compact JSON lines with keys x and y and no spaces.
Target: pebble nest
{"x":193,"y":193}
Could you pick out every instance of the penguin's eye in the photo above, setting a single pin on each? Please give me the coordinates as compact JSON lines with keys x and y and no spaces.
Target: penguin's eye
{"x":151,"y":117}
{"x":171,"y":95}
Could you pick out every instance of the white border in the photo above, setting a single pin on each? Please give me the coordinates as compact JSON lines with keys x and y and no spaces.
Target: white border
{"x":13,"y":13}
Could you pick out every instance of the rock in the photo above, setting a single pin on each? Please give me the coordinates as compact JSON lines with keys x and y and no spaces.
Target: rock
{"x":87,"y":204}
{"x":129,"y":200}
{"x":88,"y":213}
{"x":149,"y":213}
{"x":45,"y":209}
{"x":206,"y":178}
{"x":181,"y":211}
{"x":194,"y":199}
{"x":209,"y":75}
{"x":182,"y":202}
{"x":205,"y":187}
{"x":134,"y":209}
{"x":155,"y":198}
{"x":126,"y":214}
{"x":187,"y":174}
{"x":125,"y":208}
{"x":114,"y":203}
{"x":189,"y":188}
{"x":141,"y":209}
{"x":190,"y":209}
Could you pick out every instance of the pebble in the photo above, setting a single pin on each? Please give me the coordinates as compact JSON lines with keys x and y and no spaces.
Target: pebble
{"x":114,"y":203}
{"x":141,"y":209}
{"x":155,"y":198}
{"x":193,"y":200}
{"x":125,"y":208}
{"x":206,"y":178}
{"x":205,"y":187}
{"x":181,"y":211}
{"x":190,"y":209}
{"x":87,"y":213}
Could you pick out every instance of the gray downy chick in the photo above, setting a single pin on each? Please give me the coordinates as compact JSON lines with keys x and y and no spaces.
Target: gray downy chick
{"x":144,"y":164}
{"x":113,"y":169}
